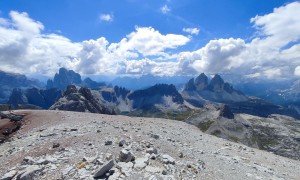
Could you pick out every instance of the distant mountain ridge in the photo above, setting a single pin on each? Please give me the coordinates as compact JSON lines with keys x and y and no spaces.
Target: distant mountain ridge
{"x":160,"y":98}
{"x":68,"y":77}
{"x":38,"y":97}
{"x":9,"y":81}
{"x":146,"y":81}
{"x":200,"y":90}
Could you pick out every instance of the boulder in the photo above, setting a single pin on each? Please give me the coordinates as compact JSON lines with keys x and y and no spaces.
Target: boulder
{"x":141,"y":163}
{"x":167,"y":159}
{"x":9,"y":176}
{"x":104,"y":169}
{"x":151,"y":150}
{"x":126,"y":156}
{"x":125,"y":168}
{"x":29,"y":172}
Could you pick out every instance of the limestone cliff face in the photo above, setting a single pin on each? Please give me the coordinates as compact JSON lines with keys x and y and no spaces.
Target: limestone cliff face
{"x":201,"y":82}
{"x":34,"y":96}
{"x":68,"y":77}
{"x":81,"y":100}
{"x":64,"y":78}
{"x":155,"y":95}
{"x":214,"y":90}
{"x":9,"y":81}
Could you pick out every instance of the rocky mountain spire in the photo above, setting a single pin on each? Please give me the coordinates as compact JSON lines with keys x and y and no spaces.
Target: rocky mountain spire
{"x":64,"y":78}
{"x":190,"y":86}
{"x":216,"y":84}
{"x":201,"y":82}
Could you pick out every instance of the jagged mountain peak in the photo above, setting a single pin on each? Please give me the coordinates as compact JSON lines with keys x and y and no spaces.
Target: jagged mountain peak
{"x":216,"y":84}
{"x":66,"y":77}
{"x":201,"y":82}
{"x":190,"y":85}
{"x":81,"y":100}
{"x":198,"y":90}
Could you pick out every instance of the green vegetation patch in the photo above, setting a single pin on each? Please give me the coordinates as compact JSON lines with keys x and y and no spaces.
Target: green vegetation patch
{"x":265,"y":143}
{"x":203,"y":126}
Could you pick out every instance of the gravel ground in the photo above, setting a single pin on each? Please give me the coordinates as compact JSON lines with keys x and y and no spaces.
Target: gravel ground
{"x":72,"y":145}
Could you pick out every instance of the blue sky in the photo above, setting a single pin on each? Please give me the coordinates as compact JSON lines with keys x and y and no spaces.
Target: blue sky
{"x":79,"y":20}
{"x":160,"y":37}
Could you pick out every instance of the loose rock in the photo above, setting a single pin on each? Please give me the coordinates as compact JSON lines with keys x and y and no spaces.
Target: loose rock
{"x":9,"y":175}
{"x":126,"y":156}
{"x":29,"y":172}
{"x":108,"y":142}
{"x":104,"y":169}
{"x":167,"y":159}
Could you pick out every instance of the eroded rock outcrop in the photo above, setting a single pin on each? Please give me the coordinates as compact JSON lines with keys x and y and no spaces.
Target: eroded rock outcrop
{"x":68,"y":77}
{"x":64,"y":78}
{"x":81,"y":100}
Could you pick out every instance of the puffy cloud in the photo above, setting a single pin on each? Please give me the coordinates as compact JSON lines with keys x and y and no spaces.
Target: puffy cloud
{"x":272,"y":73}
{"x":98,"y":56}
{"x":106,"y":17}
{"x":24,"y":49}
{"x":281,"y":26}
{"x":273,"y":53}
{"x":165,"y":9}
{"x":150,"y":42}
{"x":23,"y":44}
{"x":277,"y":43}
{"x":193,"y":31}
{"x":217,"y":56}
{"x":297,"y":71}
{"x":22,"y":22}
{"x":147,"y":66}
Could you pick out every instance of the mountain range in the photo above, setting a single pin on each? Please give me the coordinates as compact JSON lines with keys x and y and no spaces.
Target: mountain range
{"x":211,"y":104}
{"x":9,"y":81}
{"x":159,"y":98}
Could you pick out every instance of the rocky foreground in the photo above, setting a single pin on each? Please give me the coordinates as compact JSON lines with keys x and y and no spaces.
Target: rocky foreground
{"x":71,"y":145}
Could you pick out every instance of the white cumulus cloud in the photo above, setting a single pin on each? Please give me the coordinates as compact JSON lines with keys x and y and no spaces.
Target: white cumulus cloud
{"x":165,"y":9}
{"x":150,"y":42}
{"x":273,"y":53}
{"x":193,"y":31}
{"x":107,"y":17}
{"x":217,"y":56}
{"x":297,"y":71}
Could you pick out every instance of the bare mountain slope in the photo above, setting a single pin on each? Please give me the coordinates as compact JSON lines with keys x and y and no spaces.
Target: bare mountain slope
{"x":276,"y":133}
{"x":73,"y":145}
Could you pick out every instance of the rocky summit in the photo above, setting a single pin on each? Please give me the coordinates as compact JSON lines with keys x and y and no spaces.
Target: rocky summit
{"x":68,"y":77}
{"x":198,"y":91}
{"x":73,"y":145}
{"x":81,"y":100}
